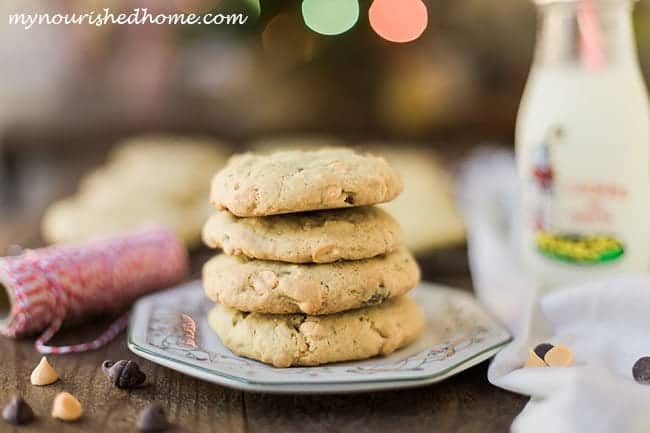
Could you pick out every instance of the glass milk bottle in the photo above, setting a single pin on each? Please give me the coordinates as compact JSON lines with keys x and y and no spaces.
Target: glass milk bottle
{"x":583,"y":146}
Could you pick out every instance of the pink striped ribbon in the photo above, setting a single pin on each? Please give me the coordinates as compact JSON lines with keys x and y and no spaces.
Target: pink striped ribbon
{"x":50,"y":286}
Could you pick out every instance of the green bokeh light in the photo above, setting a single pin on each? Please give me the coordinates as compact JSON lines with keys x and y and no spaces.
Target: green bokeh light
{"x":254,"y":7}
{"x":330,"y":17}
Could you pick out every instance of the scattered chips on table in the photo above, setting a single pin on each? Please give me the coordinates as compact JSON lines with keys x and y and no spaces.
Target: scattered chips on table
{"x":152,"y":419}
{"x":124,"y":374}
{"x":17,"y":412}
{"x":66,"y":407}
{"x":44,"y":373}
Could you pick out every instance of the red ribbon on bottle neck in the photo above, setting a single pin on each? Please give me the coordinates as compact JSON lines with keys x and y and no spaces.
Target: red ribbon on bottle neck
{"x":591,"y":35}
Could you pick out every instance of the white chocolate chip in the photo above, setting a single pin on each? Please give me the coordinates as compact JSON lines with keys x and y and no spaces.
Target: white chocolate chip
{"x":43,"y":374}
{"x":265,"y":281}
{"x":331,"y":192}
{"x":312,"y":329}
{"x":325,"y":253}
{"x":338,"y":166}
{"x":66,"y":407}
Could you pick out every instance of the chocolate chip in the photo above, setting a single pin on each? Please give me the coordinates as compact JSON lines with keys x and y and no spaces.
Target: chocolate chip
{"x":641,"y":370}
{"x":349,"y":199}
{"x":541,"y":349}
{"x":17,"y":412}
{"x":124,"y":374}
{"x":152,"y":419}
{"x":376,"y":299}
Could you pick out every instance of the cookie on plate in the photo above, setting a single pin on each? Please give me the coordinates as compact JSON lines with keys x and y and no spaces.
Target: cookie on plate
{"x":279,"y":288}
{"x":296,"y":339}
{"x":307,"y":237}
{"x":147,"y":180}
{"x":296,"y":181}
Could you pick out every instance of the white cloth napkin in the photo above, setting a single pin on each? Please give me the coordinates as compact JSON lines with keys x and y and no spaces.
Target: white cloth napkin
{"x":605,"y":323}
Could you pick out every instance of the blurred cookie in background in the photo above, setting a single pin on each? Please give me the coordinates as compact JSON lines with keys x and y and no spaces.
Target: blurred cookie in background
{"x":147,"y":180}
{"x":426,"y":209}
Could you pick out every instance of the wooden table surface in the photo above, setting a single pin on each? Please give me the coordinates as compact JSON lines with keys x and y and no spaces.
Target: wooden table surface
{"x":464,"y":403}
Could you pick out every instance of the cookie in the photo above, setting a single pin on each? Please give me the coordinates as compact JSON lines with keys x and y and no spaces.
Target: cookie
{"x":75,"y":219}
{"x":173,"y":168}
{"x":308,"y":237}
{"x":295,"y":181}
{"x":279,"y":288}
{"x":147,"y":180}
{"x":426,"y":210}
{"x":296,"y":339}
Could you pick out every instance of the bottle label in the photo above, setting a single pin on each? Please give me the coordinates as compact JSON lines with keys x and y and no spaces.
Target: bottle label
{"x":573,"y":219}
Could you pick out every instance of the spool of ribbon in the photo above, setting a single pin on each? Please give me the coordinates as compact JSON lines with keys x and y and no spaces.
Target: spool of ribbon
{"x":49,"y":286}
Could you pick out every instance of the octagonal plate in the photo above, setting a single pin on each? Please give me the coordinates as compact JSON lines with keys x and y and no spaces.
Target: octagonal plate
{"x":170,"y":328}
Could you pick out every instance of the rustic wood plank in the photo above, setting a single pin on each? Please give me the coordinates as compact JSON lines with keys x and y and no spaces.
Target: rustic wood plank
{"x":191,"y":405}
{"x":464,"y":403}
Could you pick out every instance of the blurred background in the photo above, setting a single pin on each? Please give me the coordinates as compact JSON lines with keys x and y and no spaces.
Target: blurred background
{"x":69,"y":92}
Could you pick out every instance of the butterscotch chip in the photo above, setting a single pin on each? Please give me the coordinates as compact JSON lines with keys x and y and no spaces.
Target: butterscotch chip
{"x":534,"y":360}
{"x":280,"y":288}
{"x":308,"y":237}
{"x":66,"y":407}
{"x":43,"y":374}
{"x":284,"y":340}
{"x":559,"y":356}
{"x":296,"y":181}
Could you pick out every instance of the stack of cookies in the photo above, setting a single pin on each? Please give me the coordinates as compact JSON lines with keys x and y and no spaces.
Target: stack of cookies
{"x":311,"y":272}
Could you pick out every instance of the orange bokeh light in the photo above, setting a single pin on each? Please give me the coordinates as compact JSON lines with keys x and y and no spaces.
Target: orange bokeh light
{"x":398,"y":20}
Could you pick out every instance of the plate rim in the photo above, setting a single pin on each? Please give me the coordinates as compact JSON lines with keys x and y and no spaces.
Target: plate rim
{"x":331,"y":386}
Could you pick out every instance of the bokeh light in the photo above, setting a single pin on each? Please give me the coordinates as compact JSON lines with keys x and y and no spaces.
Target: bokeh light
{"x":330,"y":17}
{"x":286,"y":40}
{"x":398,"y":20}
